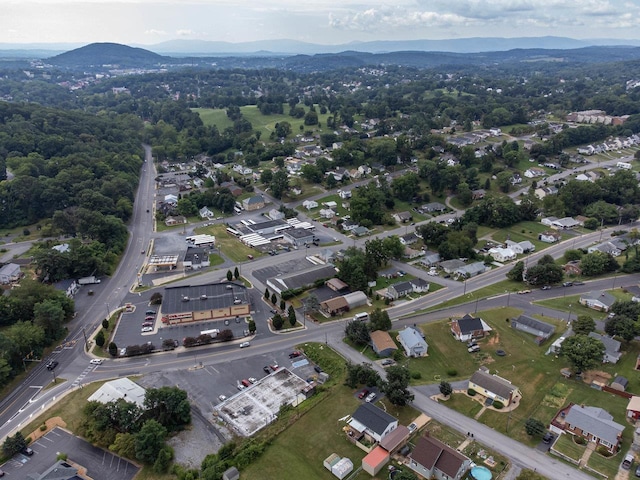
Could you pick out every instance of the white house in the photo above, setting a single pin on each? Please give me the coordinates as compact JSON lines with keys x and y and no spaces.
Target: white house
{"x":413,"y":343}
{"x":10,"y":273}
{"x":597,"y":300}
{"x":309,"y":204}
{"x":549,"y":237}
{"x":206,"y":213}
{"x":171,"y":199}
{"x":521,"y":247}
{"x":326,"y":213}
{"x":344,"y":194}
{"x":534,"y":172}
{"x":502,"y":254}
{"x":565,"y":223}
{"x":372,"y":421}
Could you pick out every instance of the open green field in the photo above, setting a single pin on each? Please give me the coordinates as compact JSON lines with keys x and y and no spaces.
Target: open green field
{"x":264,"y":123}
{"x":498,"y":288}
{"x":519,"y":232}
{"x":571,"y":303}
{"x":227,"y":244}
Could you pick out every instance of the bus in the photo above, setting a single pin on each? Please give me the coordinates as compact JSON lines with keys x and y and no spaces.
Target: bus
{"x":233,"y":231}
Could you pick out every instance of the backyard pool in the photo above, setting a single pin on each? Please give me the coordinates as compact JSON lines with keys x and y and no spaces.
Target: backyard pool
{"x":481,"y":473}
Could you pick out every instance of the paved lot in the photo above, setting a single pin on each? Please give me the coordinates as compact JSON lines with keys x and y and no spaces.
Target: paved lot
{"x":100,"y":464}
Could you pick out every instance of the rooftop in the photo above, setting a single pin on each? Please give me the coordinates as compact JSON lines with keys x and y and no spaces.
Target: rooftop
{"x":193,"y":298}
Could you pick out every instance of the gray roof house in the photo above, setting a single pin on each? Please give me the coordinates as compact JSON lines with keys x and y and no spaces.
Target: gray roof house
{"x":597,"y":300}
{"x":612,"y":353}
{"x":493,"y":386}
{"x":373,"y":421}
{"x":541,"y":330}
{"x":413,"y":343}
{"x":595,"y":424}
{"x":397,"y":290}
{"x":10,"y":273}
{"x":430,"y":258}
{"x":449,"y":266}
{"x":471,"y":270}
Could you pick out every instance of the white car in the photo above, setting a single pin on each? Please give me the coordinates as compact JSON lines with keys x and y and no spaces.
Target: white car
{"x":96,"y":361}
{"x":222,"y":398}
{"x":252,"y":379}
{"x":147,"y":329}
{"x":371,"y":397}
{"x":244,"y":344}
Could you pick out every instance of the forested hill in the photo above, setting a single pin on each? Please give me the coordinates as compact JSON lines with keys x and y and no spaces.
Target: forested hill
{"x":107,"y":54}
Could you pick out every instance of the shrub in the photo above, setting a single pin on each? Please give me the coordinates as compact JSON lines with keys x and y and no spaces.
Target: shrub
{"x":601,"y":449}
{"x":113,"y":349}
{"x":452,"y":372}
{"x":43,"y":427}
{"x":105,"y":324}
{"x":100,"y":339}
{"x":579,"y":440}
{"x":416,"y":375}
{"x":498,"y":405}
{"x":471,"y":392}
{"x":156,"y":299}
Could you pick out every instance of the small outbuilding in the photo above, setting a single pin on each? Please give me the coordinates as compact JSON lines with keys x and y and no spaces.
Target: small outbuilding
{"x":231,"y":474}
{"x":375,"y":460}
{"x":620,"y":383}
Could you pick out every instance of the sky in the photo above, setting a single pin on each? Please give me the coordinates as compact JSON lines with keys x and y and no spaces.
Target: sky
{"x":329,"y":22}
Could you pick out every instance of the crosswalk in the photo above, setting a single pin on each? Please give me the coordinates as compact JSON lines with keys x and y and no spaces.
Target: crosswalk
{"x":84,"y":373}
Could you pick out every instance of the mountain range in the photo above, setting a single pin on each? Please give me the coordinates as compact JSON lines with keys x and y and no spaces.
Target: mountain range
{"x":199,"y":48}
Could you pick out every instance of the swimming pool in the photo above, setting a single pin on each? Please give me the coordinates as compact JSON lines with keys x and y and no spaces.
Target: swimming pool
{"x":481,"y":473}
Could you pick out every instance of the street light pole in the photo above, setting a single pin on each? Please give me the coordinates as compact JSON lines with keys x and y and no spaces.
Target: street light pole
{"x":108,"y":310}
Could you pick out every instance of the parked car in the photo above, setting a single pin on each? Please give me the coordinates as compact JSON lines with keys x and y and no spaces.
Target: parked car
{"x":241,"y":386}
{"x":474,"y":349}
{"x":150,"y":312}
{"x":567,"y":284}
{"x":26,"y":451}
{"x":146,"y":329}
{"x":295,"y":354}
{"x":52,"y":364}
{"x":412,"y":427}
{"x":578,"y":283}
{"x":252,"y":379}
{"x":522,"y":292}
{"x":386,"y":362}
{"x":266,"y":369}
{"x":96,"y":361}
{"x":246,"y":382}
{"x":222,"y":398}
{"x":317,"y":369}
{"x":371,"y":397}
{"x":363,"y":393}
{"x":244,"y":344}
{"x":147,"y":324}
{"x":546,"y":287}
{"x":275,"y":367}
{"x":548,"y":437}
{"x":638,"y":471}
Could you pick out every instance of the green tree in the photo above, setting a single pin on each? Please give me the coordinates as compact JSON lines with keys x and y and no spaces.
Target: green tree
{"x":283,"y":304}
{"x":50,"y":316}
{"x":229,"y":275}
{"x":621,"y":326}
{"x":515,"y":274}
{"x":583,"y":352}
{"x":100,"y":339}
{"x":113,"y":349}
{"x":279,"y":184}
{"x":357,"y":332}
{"x":169,"y":406}
{"x":149,"y":441}
{"x":534,"y":427}
{"x":266,"y":176}
{"x":396,"y":388}
{"x":252,"y":326}
{"x":266,"y":294}
{"x":379,"y":320}
{"x":445,"y":388}
{"x":277,"y":321}
{"x":583,"y":325}
{"x":236,"y":273}
{"x":544,"y":274}
{"x":13,"y":444}
{"x":597,"y":263}
{"x":274,"y":298}
{"x":162,"y":463}
{"x":124,"y":445}
{"x":105,"y":324}
{"x":292,"y":315}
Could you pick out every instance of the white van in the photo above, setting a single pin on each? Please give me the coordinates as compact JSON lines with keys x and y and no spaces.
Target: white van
{"x":361,"y":317}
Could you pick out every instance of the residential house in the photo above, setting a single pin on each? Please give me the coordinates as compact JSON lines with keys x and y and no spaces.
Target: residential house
{"x":360,"y":231}
{"x":69,"y":287}
{"x":433,"y":207}
{"x":331,"y":204}
{"x":373,"y":422}
{"x":10,"y":273}
{"x":171,"y":199}
{"x":565,"y":223}
{"x":344,"y":194}
{"x":336,"y":284}
{"x":542,"y":192}
{"x":612,"y":348}
{"x":382,"y":343}
{"x":402,"y":217}
{"x":401,"y":289}
{"x":339,"y":174}
{"x":515,"y":179}
{"x":521,"y":247}
{"x":253,"y":203}
{"x":548,"y":221}
{"x":572,"y":268}
{"x":597,"y":300}
{"x":275,"y":214}
{"x":478,"y":194}
{"x":450,"y":266}
{"x":396,"y":439}
{"x":409,"y":238}
{"x":633,"y":408}
{"x":413,"y":342}
{"x":411,"y":253}
{"x":469,"y":328}
{"x":470,"y":270}
{"x":549,"y":237}
{"x":494,"y":387}
{"x":430,"y":258}
{"x":606,"y":247}
{"x":349,"y":225}
{"x":179,"y":220}
{"x":594,"y":424}
{"x":327,"y":213}
{"x":310,"y":204}
{"x":534,"y":172}
{"x":334,"y":306}
{"x":500,"y":254}
{"x":234,"y":189}
{"x":205,"y":213}
{"x":634,"y":291}
{"x":431,"y":458}
{"x":541,"y":330}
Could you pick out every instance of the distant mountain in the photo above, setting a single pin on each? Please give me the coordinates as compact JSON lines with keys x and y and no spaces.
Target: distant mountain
{"x":458,"y":45}
{"x":97,"y":54}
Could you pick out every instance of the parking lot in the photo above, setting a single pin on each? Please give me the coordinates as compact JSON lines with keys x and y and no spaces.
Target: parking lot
{"x":207,"y":384}
{"x":100,"y":464}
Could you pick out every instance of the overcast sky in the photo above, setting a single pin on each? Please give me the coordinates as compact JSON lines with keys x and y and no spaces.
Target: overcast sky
{"x":317,"y":21}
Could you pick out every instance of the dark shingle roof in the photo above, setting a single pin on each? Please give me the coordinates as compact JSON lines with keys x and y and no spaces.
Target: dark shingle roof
{"x":431,"y":453}
{"x":492,"y":383}
{"x":373,"y":418}
{"x":202,"y":297}
{"x":469,"y":324}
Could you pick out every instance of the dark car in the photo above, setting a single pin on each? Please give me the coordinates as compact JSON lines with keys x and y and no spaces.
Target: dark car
{"x":567,"y":284}
{"x":52,"y":364}
{"x":317,"y":369}
{"x":295,"y":354}
{"x":150,"y":312}
{"x":548,"y":437}
{"x":26,"y":451}
{"x":266,"y":369}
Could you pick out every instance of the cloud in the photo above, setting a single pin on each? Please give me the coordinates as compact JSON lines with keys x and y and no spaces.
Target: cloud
{"x":153,"y":31}
{"x":184,"y":32}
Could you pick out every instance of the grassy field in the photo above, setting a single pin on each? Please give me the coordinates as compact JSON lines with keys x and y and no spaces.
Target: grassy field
{"x":571,"y":303}
{"x":264,"y":123}
{"x":520,"y":232}
{"x":227,"y":244}
{"x":499,"y":288}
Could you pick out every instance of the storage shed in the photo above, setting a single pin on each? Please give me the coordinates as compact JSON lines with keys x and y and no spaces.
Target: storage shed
{"x":331,"y":460}
{"x":375,"y":460}
{"x":342,"y":468}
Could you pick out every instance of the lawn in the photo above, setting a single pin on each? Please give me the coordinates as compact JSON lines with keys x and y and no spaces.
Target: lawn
{"x":229,"y":245}
{"x":571,"y":303}
{"x":567,"y":446}
{"x":499,"y":288}
{"x":522,"y":231}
